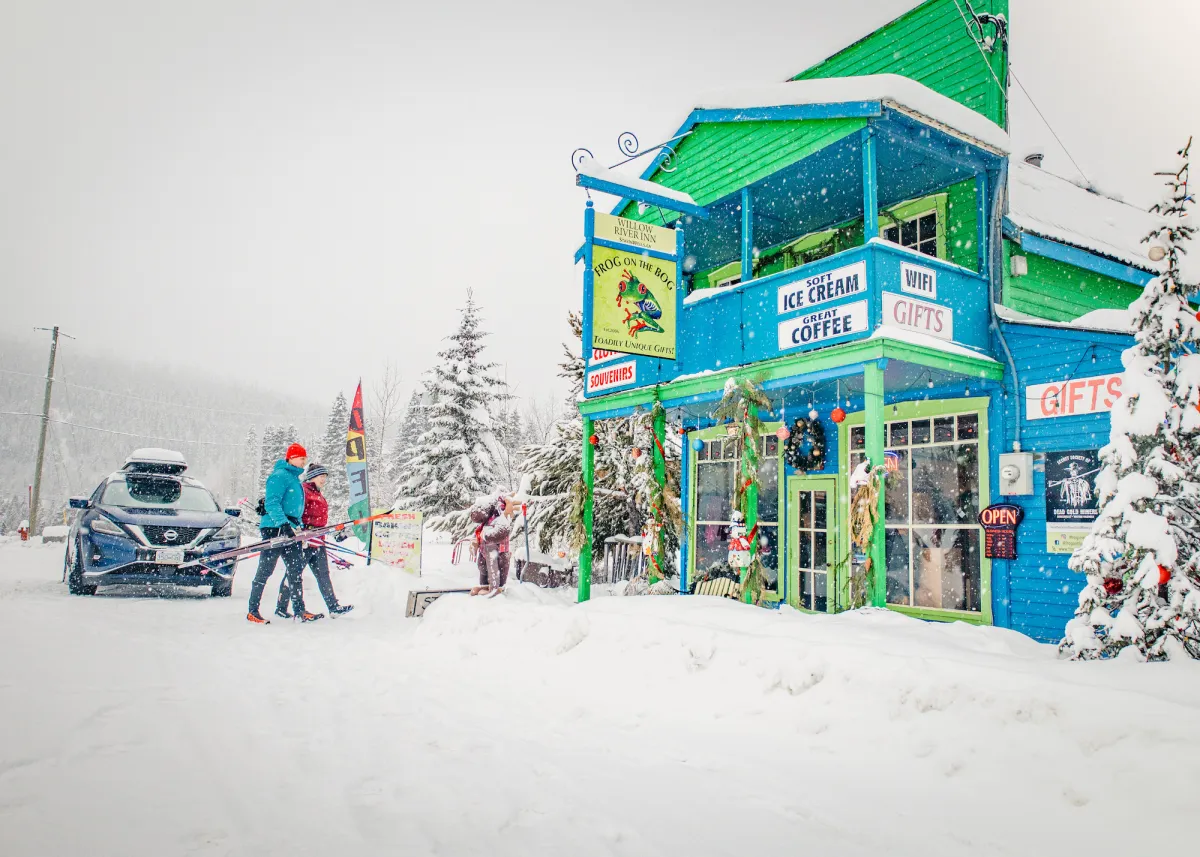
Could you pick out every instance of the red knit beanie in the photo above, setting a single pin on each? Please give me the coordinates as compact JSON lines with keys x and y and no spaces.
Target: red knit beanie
{"x":295,"y":451}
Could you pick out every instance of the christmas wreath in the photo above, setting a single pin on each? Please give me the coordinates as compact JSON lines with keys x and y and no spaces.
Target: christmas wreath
{"x":805,"y":448}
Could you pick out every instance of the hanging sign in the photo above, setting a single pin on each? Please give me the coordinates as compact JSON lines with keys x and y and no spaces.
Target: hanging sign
{"x":396,"y":540}
{"x":823,"y":326}
{"x":823,"y":288}
{"x":356,"y":466}
{"x":1072,"y":397}
{"x":633,"y":303}
{"x":1072,"y":503}
{"x":622,"y":230}
{"x":599,"y":355}
{"x":621,"y":375}
{"x":919,"y":316}
{"x":1000,"y":522}
{"x":918,"y":280}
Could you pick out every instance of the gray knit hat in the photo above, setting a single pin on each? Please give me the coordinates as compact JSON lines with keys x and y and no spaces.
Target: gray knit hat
{"x":314,"y":470}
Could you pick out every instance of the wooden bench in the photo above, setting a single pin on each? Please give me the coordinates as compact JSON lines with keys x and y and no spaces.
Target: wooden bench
{"x":721,"y":587}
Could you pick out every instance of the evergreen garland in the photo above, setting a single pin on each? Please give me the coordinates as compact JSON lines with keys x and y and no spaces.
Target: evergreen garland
{"x":740,"y":405}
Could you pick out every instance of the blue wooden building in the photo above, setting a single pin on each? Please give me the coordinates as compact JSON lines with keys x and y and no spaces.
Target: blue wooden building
{"x":862,"y":242}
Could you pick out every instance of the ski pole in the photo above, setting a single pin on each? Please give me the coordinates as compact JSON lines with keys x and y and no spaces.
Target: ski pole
{"x":525,"y":519}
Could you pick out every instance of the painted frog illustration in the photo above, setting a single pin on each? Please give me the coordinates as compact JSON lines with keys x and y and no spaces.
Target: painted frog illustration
{"x":649,"y":311}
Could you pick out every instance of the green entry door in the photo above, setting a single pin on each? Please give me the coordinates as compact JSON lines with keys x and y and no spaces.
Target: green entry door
{"x":811,"y":540}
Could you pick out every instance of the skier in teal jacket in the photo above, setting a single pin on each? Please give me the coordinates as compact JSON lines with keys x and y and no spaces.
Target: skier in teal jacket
{"x":284,"y":504}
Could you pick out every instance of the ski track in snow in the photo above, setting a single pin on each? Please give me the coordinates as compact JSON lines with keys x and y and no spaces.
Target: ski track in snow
{"x":164,"y":724}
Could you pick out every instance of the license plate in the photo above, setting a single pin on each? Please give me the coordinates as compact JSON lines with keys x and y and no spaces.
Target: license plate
{"x":172,"y":556}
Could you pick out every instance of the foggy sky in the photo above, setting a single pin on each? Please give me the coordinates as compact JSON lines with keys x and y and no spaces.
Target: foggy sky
{"x":294,"y":192}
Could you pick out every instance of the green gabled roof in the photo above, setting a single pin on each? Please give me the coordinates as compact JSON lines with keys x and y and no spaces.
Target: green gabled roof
{"x":720,"y":158}
{"x":931,"y":45}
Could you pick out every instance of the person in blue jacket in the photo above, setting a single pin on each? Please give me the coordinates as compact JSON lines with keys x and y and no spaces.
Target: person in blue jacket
{"x":284,"y":504}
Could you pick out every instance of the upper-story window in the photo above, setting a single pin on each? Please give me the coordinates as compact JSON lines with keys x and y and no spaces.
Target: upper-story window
{"x":917,"y":233}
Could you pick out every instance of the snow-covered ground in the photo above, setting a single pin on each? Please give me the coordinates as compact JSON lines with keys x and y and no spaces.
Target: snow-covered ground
{"x":134,"y":725}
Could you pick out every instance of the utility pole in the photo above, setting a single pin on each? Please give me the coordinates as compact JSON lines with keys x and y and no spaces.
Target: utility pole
{"x":41,"y":450}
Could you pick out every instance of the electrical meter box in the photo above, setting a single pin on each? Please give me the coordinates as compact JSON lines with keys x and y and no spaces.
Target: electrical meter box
{"x":1016,"y":473}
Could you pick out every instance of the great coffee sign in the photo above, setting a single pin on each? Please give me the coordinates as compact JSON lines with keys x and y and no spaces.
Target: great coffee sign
{"x":839,"y":283}
{"x":823,"y":326}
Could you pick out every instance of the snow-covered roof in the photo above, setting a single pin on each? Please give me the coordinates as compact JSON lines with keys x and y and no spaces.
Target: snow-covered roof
{"x":156,"y":455}
{"x":1099,"y":320}
{"x":1056,"y":208}
{"x":593,"y":168}
{"x":912,"y":337}
{"x":892,"y":90}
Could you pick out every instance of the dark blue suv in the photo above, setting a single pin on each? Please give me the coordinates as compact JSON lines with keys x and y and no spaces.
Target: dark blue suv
{"x":148,"y":523}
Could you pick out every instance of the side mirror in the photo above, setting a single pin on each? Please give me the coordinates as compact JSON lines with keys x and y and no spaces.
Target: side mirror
{"x":80,"y":502}
{"x":234,"y":513}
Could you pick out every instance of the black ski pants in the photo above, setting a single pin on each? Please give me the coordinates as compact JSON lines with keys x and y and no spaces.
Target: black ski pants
{"x":293,"y":562}
{"x":318,"y":560}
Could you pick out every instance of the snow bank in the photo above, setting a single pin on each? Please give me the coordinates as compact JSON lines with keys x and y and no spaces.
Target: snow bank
{"x":891,"y":89}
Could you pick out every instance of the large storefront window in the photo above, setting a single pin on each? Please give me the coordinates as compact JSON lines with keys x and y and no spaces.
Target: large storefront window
{"x":931,"y":507}
{"x":717,"y":463}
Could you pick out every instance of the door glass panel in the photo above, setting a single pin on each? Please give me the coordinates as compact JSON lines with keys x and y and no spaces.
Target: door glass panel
{"x":820,"y":592}
{"x":820,"y":552}
{"x":712,"y":545}
{"x":714,"y":492}
{"x":768,"y":490}
{"x":768,"y":552}
{"x":819,"y":511}
{"x":806,"y":510}
{"x":896,"y":546}
{"x":804,"y":548}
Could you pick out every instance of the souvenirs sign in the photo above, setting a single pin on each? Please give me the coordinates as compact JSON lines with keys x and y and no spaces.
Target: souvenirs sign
{"x":610,"y":377}
{"x":1000,"y":522}
{"x":622,"y":230}
{"x":823,"y":288}
{"x":634,"y":303}
{"x":1072,"y":503}
{"x":823,"y":326}
{"x":1072,"y":397}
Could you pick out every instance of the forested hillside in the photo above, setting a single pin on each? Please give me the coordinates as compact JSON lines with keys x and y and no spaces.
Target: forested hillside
{"x":136,"y":405}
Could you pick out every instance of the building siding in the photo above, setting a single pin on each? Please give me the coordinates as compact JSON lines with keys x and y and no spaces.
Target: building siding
{"x":1057,"y":291}
{"x":931,"y":45}
{"x":1039,"y":591}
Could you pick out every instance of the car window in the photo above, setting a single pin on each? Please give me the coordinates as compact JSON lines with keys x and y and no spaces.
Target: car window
{"x":158,"y":493}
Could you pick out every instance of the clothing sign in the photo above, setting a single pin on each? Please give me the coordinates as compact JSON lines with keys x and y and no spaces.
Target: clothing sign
{"x":1071,"y":500}
{"x":633,"y":303}
{"x":599,"y":356}
{"x":356,"y":466}
{"x":1072,"y":397}
{"x":621,"y":375}
{"x":622,"y":230}
{"x":396,"y":540}
{"x":1000,"y":522}
{"x":919,"y":316}
{"x":823,"y":288}
{"x":823,"y":326}
{"x":918,"y":280}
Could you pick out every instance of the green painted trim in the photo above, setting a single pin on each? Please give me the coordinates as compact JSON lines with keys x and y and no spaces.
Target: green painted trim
{"x":589,"y":481}
{"x":835,"y":356}
{"x":922,"y":409}
{"x":873,"y":419}
{"x":660,"y":476}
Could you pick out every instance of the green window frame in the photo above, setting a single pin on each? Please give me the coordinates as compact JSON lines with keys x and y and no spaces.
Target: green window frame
{"x":695,"y":521}
{"x":928,"y":410}
{"x":897,"y":215}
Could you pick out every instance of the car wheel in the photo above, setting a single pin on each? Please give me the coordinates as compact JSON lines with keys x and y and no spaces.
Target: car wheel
{"x":75,"y":584}
{"x":223,"y":589}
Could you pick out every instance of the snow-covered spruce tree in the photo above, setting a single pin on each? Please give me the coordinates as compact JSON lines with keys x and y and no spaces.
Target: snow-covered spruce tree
{"x":272,"y":449}
{"x":1142,"y":556}
{"x":455,"y":458}
{"x":331,"y":452}
{"x":248,"y":466}
{"x":413,"y":424}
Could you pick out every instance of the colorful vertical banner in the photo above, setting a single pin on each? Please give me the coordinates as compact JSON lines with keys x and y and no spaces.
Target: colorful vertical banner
{"x":356,"y":467}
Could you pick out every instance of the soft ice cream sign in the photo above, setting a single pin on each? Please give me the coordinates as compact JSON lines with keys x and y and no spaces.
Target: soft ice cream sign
{"x":812,"y":291}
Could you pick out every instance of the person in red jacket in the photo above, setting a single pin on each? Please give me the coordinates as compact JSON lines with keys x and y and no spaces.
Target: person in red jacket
{"x":316,"y":556}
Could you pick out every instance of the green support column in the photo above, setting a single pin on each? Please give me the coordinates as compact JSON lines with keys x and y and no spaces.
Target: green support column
{"x":660,"y":476}
{"x":874,"y":422}
{"x":589,"y":481}
{"x":746,"y":472}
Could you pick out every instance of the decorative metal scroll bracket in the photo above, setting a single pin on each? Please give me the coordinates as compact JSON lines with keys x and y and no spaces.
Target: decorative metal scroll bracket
{"x":627,"y":145}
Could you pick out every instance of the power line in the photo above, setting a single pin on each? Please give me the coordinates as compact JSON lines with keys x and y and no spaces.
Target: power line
{"x":1013,"y":75}
{"x":123,"y":433}
{"x":161,"y":403}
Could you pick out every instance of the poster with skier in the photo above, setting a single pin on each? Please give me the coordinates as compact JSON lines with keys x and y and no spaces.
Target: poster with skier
{"x":1071,"y":499}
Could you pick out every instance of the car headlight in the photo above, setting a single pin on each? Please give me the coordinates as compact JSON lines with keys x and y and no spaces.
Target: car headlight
{"x":104,"y":526}
{"x":227,"y":532}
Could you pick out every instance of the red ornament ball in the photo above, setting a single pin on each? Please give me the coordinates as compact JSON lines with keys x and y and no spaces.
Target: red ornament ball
{"x":637,"y":453}
{"x":594,"y":441}
{"x":837,"y":415}
{"x":1198,"y":316}
{"x":1164,"y":575}
{"x":1113,"y":585}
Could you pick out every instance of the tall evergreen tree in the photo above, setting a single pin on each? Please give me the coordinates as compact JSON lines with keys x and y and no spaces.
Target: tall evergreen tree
{"x":413,"y":424}
{"x":272,"y":449}
{"x":331,"y":452}
{"x":1142,"y":556}
{"x":251,"y":460}
{"x":455,"y":459}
